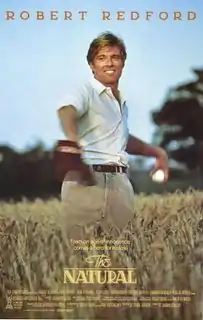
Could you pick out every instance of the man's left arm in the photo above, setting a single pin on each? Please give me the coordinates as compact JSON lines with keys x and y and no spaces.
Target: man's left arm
{"x":136,"y":146}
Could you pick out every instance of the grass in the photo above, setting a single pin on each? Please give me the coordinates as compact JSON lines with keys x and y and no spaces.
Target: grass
{"x":166,"y":247}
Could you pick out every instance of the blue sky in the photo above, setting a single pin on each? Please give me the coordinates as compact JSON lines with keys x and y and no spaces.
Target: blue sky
{"x":39,"y":60}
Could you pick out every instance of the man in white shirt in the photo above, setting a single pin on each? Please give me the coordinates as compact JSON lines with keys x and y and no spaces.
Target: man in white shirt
{"x":93,"y":160}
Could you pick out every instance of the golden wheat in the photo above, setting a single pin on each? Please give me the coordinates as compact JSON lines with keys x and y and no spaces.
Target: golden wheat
{"x":166,"y":247}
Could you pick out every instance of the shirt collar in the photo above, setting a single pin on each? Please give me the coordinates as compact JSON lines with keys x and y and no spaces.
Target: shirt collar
{"x":100,"y":88}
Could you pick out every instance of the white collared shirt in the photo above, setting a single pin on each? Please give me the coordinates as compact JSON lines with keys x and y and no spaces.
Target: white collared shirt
{"x":102,"y":123}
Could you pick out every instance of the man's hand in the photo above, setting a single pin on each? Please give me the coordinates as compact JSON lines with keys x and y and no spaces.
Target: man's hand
{"x":69,"y":164}
{"x":136,"y":146}
{"x":161,"y":164}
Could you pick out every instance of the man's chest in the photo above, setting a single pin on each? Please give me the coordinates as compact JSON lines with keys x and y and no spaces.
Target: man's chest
{"x":107,"y":117}
{"x":108,"y":109}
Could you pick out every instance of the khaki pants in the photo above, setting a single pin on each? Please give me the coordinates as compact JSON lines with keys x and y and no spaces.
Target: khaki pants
{"x":105,"y":208}
{"x":109,"y":204}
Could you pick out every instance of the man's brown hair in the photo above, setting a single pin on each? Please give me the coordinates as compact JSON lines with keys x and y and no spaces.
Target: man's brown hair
{"x":105,"y":39}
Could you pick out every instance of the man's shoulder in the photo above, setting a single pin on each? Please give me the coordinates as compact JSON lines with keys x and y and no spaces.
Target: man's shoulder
{"x":89,"y":85}
{"x":75,"y":93}
{"x":81,"y":86}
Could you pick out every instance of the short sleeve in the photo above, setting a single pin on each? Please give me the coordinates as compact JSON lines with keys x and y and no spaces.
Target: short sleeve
{"x":76,"y":96}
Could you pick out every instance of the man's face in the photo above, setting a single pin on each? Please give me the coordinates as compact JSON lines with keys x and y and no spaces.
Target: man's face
{"x":108,"y":65}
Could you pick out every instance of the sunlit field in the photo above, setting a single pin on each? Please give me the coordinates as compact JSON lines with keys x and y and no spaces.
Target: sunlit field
{"x":166,"y":248}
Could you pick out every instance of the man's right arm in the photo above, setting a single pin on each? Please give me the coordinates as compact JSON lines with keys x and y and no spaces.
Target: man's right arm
{"x":74,"y":105}
{"x":68,"y":119}
{"x":68,"y":158}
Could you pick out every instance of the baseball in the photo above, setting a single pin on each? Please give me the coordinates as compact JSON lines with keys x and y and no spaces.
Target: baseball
{"x":158,"y":176}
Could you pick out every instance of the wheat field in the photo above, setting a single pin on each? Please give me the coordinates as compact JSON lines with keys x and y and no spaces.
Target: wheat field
{"x":166,"y":248}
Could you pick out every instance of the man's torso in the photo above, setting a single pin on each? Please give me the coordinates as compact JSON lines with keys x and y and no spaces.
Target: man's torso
{"x":103,"y":129}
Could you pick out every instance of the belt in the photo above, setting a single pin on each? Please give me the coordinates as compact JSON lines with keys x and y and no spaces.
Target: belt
{"x":109,"y":168}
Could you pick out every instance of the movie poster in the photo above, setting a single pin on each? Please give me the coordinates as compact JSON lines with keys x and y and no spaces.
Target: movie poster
{"x":128,"y":245}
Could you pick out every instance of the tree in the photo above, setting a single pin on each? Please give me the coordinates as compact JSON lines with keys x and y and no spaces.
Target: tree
{"x":180,"y":123}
